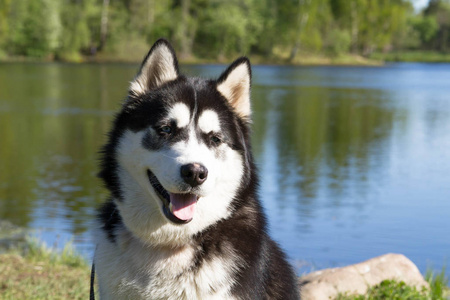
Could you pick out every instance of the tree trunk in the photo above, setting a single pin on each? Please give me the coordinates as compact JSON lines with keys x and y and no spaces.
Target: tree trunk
{"x":186,"y":46}
{"x":303,"y":19}
{"x":354,"y":27}
{"x":444,"y":39}
{"x":151,"y":11}
{"x":268,"y":44}
{"x":104,"y":24}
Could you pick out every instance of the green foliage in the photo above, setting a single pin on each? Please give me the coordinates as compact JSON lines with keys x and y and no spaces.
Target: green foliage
{"x":229,"y":27}
{"x":426,"y":27}
{"x":438,"y":284}
{"x":73,"y":29}
{"x":390,"y":289}
{"x":439,"y":10}
{"x":394,"y":290}
{"x":75,"y":34}
{"x":35,"y":27}
{"x":338,"y":42}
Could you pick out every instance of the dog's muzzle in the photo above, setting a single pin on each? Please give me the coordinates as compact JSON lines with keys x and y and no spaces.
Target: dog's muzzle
{"x":179,"y":208}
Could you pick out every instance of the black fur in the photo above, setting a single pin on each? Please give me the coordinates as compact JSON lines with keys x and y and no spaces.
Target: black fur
{"x":266,"y":274}
{"x":110,"y":218}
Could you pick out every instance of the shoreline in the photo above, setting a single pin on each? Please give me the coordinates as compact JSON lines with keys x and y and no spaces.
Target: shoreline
{"x":28,"y":268}
{"x":306,"y":60}
{"x":303,"y":59}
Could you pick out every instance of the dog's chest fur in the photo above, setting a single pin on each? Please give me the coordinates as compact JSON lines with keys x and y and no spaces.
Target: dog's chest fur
{"x":132,"y":270}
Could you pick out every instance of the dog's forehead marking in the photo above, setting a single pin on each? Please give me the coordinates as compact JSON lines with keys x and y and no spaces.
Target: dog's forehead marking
{"x":181,"y":114}
{"x":209,"y":121}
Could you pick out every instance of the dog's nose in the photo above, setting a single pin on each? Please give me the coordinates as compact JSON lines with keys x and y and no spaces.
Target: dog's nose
{"x":194,"y":174}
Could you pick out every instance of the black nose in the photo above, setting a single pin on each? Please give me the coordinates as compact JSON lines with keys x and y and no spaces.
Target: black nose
{"x":194,"y":174}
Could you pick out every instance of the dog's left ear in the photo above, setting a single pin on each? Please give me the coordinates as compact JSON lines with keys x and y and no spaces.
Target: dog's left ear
{"x":159,"y":66}
{"x":234,"y":85}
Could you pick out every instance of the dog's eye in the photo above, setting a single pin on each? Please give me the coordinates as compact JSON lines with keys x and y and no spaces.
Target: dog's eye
{"x":216,"y":140}
{"x":165,"y":129}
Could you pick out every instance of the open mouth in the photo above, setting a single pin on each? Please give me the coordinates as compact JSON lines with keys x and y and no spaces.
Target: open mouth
{"x":178,"y":208}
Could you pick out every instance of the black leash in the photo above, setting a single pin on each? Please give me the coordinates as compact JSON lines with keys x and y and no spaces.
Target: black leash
{"x":92,"y":292}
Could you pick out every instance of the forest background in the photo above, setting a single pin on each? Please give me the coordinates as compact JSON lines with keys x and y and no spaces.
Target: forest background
{"x":269,"y":31}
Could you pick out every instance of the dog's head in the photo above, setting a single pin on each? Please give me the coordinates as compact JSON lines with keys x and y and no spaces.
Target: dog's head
{"x":178,"y":152}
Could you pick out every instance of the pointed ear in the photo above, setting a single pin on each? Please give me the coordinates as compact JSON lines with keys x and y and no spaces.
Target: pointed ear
{"x":234,"y":85}
{"x":159,"y":66}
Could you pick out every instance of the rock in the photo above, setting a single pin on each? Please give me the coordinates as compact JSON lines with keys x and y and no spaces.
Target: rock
{"x":356,"y":279}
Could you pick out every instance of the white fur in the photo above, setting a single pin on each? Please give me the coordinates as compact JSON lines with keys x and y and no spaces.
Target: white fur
{"x":209,"y":121}
{"x":159,"y":68}
{"x":236,"y":89}
{"x":130,"y":269}
{"x":181,"y":114}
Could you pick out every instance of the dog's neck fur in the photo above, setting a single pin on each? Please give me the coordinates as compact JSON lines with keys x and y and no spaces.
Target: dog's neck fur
{"x":138,"y":270}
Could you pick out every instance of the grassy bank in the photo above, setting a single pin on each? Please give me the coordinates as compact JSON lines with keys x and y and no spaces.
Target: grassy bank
{"x":134,"y":50}
{"x":34,"y":271}
{"x":413,"y":56}
{"x":37,"y":272}
{"x":280,"y":57}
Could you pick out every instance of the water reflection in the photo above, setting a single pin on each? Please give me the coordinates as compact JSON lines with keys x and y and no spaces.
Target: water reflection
{"x":54,"y":119}
{"x":316,"y":143}
{"x":336,"y":162}
{"x":354,"y":161}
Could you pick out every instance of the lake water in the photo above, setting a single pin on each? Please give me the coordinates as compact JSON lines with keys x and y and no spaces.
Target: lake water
{"x":354,"y":161}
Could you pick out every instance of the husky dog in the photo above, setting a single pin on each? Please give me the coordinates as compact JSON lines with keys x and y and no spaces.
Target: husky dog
{"x":183,"y":220}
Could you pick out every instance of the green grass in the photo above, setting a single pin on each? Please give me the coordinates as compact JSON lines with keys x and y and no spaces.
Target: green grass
{"x":134,"y":50}
{"x":398,"y":290}
{"x":413,"y":56}
{"x":439,"y":288}
{"x":37,"y":251}
{"x":38,"y":272}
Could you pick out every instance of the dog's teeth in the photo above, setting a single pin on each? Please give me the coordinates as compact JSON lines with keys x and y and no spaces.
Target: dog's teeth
{"x":170,"y":207}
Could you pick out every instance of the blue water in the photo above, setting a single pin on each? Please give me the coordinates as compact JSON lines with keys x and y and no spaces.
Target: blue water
{"x":354,"y":161}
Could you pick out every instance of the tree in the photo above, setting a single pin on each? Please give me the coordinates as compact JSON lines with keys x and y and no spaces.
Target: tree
{"x":35,"y":27}
{"x":228,"y":27}
{"x":440,"y":11}
{"x":104,"y":24}
{"x":426,"y":28}
{"x":5,"y":6}
{"x":69,"y":29}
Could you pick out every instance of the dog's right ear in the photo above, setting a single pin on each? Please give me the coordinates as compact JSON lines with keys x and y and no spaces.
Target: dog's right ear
{"x":159,"y":66}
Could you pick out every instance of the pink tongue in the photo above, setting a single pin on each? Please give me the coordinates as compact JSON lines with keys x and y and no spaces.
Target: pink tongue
{"x":183,"y":205}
